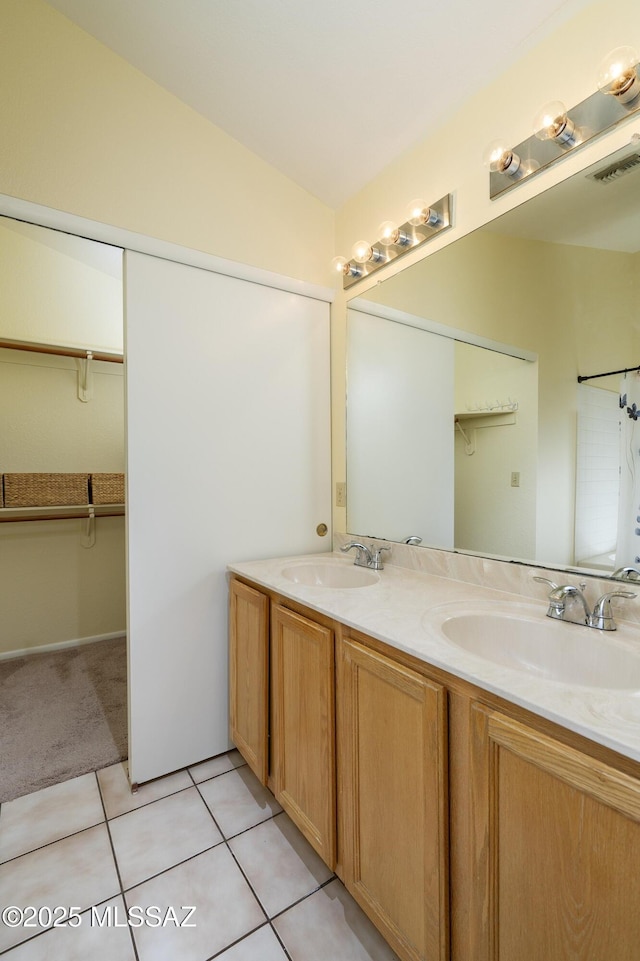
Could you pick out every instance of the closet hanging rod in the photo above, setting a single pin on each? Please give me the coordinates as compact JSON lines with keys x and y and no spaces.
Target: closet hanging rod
{"x":103,"y":355}
{"x":609,"y":373}
{"x":13,"y":519}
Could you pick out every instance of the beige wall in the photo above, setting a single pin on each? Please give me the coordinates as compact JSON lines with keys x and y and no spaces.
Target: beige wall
{"x":38,"y":267}
{"x":60,"y":290}
{"x":450,"y":160}
{"x":84,"y":132}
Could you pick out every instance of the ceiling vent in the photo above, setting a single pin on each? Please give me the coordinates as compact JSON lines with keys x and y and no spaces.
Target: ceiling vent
{"x":614,"y":171}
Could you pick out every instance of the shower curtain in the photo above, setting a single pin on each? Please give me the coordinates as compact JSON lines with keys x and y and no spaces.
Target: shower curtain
{"x":628,"y":549}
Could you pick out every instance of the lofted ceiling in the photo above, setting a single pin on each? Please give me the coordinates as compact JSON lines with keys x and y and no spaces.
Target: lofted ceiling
{"x":327,"y":91}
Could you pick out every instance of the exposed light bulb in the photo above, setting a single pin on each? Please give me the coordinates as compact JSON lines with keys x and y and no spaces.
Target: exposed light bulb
{"x":346,"y":267}
{"x":553,"y":123}
{"x":419,"y":214}
{"x":618,"y":76}
{"x":389,"y":235}
{"x":500,"y":158}
{"x":362,"y":252}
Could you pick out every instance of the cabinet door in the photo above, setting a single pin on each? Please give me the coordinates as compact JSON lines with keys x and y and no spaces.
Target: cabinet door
{"x":393,"y":797}
{"x":303,"y":732}
{"x":249,"y":675}
{"x":557,"y":849}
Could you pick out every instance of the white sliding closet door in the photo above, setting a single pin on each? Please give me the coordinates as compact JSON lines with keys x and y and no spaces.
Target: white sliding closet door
{"x":228,"y":414}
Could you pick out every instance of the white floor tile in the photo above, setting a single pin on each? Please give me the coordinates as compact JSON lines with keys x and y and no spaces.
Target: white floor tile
{"x":217,"y":765}
{"x":171,"y":855}
{"x":329,"y":924}
{"x":262,"y":945}
{"x":116,"y":792}
{"x":48,"y":815}
{"x":280,"y":864}
{"x":238,"y":801}
{"x":161,"y":835}
{"x":226,"y":909}
{"x":87,"y":940}
{"x":76,"y":872}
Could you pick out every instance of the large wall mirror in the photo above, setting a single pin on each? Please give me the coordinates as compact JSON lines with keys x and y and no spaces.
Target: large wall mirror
{"x":466,"y":425}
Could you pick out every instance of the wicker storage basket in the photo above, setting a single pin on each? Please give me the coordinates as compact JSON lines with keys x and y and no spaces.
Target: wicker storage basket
{"x":107,"y":488}
{"x":45,"y":490}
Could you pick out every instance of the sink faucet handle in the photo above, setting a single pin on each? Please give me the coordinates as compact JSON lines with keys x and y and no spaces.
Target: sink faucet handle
{"x":376,"y":560}
{"x":602,"y":617}
{"x":545,"y":580}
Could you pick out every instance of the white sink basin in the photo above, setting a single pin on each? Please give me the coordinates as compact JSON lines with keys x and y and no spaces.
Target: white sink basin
{"x":336,"y":573}
{"x":544,"y":648}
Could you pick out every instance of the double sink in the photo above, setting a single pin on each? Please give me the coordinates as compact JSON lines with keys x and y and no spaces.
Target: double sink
{"x":512,"y":635}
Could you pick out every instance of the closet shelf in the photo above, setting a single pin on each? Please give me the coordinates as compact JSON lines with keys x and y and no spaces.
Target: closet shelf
{"x":486,"y":418}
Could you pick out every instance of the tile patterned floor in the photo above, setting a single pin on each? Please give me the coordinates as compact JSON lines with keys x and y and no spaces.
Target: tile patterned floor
{"x":209,"y":836}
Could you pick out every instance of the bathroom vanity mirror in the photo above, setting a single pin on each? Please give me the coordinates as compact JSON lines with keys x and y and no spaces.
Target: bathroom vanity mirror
{"x":468,"y":448}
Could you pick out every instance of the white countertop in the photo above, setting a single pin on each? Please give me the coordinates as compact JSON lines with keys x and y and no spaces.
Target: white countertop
{"x":398,"y":609}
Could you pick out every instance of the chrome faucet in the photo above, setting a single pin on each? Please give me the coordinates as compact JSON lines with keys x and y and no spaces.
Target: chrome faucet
{"x":627,"y":574}
{"x":414,"y":539}
{"x":365,"y":556}
{"x":601,"y":618}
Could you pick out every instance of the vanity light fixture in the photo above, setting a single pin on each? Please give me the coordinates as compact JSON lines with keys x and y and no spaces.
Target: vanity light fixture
{"x":559,"y":131}
{"x":618,"y":74}
{"x":552,"y":122}
{"x":425,"y":221}
{"x":346,"y":267}
{"x":364,"y":253}
{"x":418,"y":213}
{"x":501,"y":159}
{"x":390,"y":235}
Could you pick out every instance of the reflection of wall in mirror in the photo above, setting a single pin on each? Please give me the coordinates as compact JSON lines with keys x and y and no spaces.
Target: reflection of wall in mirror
{"x":491,"y":515}
{"x":574,"y":306}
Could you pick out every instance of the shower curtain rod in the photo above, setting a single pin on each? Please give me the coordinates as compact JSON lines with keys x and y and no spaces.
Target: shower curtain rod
{"x":61,"y":351}
{"x":627,"y":370}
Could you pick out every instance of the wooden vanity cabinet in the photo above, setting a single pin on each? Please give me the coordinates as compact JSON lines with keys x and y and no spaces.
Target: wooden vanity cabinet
{"x":282,"y":710}
{"x":556,"y":850}
{"x":467,"y":828}
{"x":393,"y":799}
{"x":249,"y":675}
{"x":303,"y":726}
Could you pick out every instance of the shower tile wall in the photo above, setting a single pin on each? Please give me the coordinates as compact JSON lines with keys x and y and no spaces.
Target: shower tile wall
{"x":597,"y":472}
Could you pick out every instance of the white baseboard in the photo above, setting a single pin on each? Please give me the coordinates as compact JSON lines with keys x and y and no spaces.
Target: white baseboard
{"x":60,"y":645}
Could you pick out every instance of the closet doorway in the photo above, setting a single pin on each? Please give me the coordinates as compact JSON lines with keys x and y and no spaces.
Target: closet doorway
{"x":63,"y":688}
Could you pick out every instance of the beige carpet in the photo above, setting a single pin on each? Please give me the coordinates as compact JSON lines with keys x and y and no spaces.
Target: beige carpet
{"x":61,"y":714}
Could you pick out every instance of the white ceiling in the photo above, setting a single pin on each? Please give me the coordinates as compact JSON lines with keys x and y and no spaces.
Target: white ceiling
{"x":327,"y":91}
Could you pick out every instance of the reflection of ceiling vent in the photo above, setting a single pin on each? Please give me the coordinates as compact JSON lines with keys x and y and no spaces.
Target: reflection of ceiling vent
{"x":613,"y":172}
